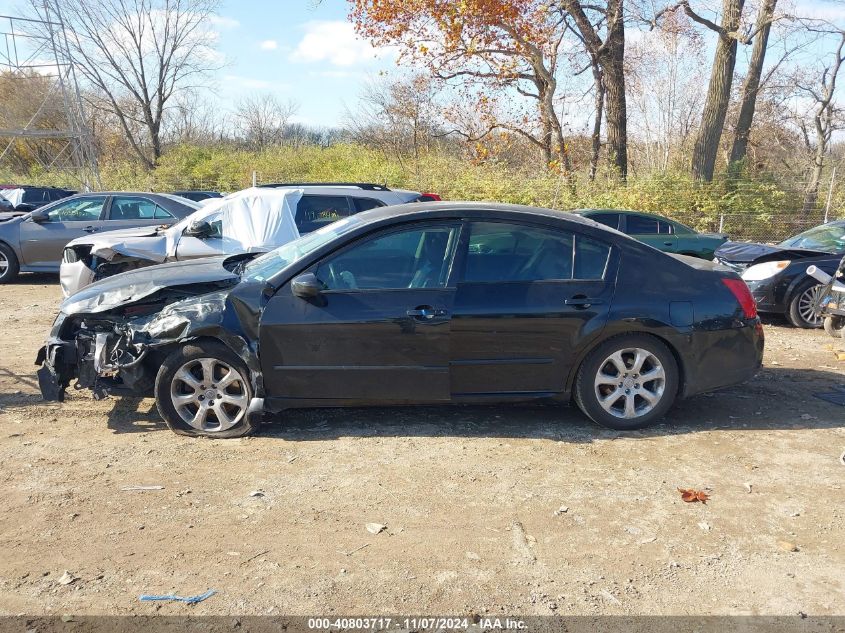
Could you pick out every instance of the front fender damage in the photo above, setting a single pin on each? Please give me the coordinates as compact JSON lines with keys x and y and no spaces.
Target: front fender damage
{"x":120,"y":351}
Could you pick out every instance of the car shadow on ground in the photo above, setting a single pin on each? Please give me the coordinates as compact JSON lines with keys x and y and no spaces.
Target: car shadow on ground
{"x":778,"y":398}
{"x":33,"y":279}
{"x":134,"y":415}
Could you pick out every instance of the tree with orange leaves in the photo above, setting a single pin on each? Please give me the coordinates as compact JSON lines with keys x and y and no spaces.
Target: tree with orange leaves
{"x":484,"y":46}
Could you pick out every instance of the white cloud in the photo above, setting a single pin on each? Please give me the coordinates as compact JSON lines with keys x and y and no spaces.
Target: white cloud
{"x":268,"y":45}
{"x":222,"y":22}
{"x":337,"y":43}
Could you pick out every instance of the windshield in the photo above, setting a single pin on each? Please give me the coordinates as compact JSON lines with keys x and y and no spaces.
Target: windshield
{"x":828,"y":237}
{"x":269,"y":264}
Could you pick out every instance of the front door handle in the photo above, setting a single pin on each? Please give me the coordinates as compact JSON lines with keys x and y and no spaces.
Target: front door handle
{"x":90,"y":229}
{"x":581,"y":301}
{"x":426,"y":313}
{"x":668,"y":243}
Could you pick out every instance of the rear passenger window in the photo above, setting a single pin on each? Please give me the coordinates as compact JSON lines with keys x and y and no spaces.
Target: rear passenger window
{"x":642,"y":225}
{"x":664,"y":227}
{"x":514,"y":252}
{"x":314,"y":212}
{"x":590,"y":258}
{"x":365,"y":204}
{"x":132,"y":208}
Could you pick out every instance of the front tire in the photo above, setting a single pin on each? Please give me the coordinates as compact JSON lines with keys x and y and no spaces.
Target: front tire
{"x":628,"y":382}
{"x":204,"y":390}
{"x":801,"y":312}
{"x":9,"y":265}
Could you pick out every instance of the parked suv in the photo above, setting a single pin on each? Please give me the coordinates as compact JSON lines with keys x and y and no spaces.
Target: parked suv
{"x":326,"y":202}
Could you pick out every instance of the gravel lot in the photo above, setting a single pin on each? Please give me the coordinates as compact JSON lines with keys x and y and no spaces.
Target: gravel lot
{"x":529,"y":510}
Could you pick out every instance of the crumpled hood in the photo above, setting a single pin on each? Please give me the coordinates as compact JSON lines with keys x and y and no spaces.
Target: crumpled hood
{"x":129,"y":287}
{"x":745,"y":252}
{"x":146,"y":242}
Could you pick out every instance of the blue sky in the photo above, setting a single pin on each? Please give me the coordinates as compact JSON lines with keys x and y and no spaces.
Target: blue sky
{"x":307,"y":51}
{"x":296,"y":50}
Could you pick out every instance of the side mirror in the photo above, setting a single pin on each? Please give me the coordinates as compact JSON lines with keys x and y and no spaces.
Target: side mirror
{"x":198,"y":229}
{"x":37,"y":216}
{"x":306,"y":286}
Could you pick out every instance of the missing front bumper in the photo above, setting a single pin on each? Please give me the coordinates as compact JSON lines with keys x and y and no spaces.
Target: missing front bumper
{"x":53,"y":376}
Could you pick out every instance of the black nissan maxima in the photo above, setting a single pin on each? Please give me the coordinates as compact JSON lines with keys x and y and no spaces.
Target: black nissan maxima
{"x":413,"y":304}
{"x":777,"y":274}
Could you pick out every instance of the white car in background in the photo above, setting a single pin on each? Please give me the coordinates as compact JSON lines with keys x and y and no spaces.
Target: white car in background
{"x":254,"y":220}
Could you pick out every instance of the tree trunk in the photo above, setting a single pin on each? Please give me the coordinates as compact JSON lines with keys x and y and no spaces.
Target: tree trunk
{"x":751,"y":86}
{"x":598,"y":83}
{"x":610,"y":55}
{"x":718,"y":94}
{"x":613,"y":67}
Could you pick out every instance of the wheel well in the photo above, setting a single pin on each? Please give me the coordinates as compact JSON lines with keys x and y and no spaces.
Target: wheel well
{"x":601,"y":341}
{"x":156,"y":357}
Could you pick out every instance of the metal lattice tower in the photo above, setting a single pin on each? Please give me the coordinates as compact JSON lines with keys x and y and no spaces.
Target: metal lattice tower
{"x":51,"y":128}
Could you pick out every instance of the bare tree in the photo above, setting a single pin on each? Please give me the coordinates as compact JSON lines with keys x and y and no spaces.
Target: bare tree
{"x":607,"y":51}
{"x":138,"y":54}
{"x":397,"y":116}
{"x":826,"y":117}
{"x":664,"y":120}
{"x":262,"y":119}
{"x":751,"y":85}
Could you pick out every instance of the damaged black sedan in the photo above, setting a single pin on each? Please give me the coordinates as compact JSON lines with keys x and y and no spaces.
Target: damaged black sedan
{"x":412,"y":304}
{"x":776,"y":274}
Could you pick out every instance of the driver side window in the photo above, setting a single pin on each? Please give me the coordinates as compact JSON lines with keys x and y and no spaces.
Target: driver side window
{"x":79,"y":210}
{"x":413,"y":258}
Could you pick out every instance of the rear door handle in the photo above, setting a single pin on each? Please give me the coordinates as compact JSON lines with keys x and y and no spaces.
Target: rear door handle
{"x":90,"y":229}
{"x":583,"y":302}
{"x":668,"y":243}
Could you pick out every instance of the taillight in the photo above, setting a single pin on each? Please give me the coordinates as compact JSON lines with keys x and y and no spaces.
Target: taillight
{"x":429,"y":197}
{"x":743,"y":296}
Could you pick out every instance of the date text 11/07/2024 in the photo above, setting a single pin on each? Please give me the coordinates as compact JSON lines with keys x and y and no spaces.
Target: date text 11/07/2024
{"x":415,"y":623}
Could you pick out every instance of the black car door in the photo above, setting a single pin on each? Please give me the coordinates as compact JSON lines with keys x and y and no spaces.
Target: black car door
{"x":528,"y":298}
{"x":378,"y":332}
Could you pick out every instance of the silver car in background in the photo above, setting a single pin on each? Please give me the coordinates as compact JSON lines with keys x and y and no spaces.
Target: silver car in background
{"x":34,"y":242}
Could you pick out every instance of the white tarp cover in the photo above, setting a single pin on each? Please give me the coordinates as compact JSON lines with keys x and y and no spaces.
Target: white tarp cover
{"x":254,"y":219}
{"x":15,"y":196}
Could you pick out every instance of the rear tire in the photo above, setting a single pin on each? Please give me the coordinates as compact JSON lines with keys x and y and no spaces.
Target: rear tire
{"x":800,"y":310}
{"x":9,"y":265}
{"x":835,"y":326}
{"x":628,"y":382}
{"x":204,"y":390}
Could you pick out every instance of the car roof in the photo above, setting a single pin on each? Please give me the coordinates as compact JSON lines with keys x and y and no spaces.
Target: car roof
{"x":623,"y":212}
{"x":358,"y":190}
{"x":441,"y":209}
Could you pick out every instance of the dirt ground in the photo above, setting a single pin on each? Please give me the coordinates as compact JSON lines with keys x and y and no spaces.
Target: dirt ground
{"x":498,"y":510}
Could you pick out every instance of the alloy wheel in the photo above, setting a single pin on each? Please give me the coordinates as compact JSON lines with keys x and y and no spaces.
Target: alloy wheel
{"x":630,"y":383}
{"x":209,"y":394}
{"x":4,"y":264}
{"x":806,"y":305}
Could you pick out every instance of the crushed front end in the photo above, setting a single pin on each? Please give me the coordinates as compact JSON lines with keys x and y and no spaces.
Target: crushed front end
{"x":102,"y":354}
{"x":113,"y":336}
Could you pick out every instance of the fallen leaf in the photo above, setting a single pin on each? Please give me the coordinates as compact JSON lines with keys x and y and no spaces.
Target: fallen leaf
{"x":691,"y":496}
